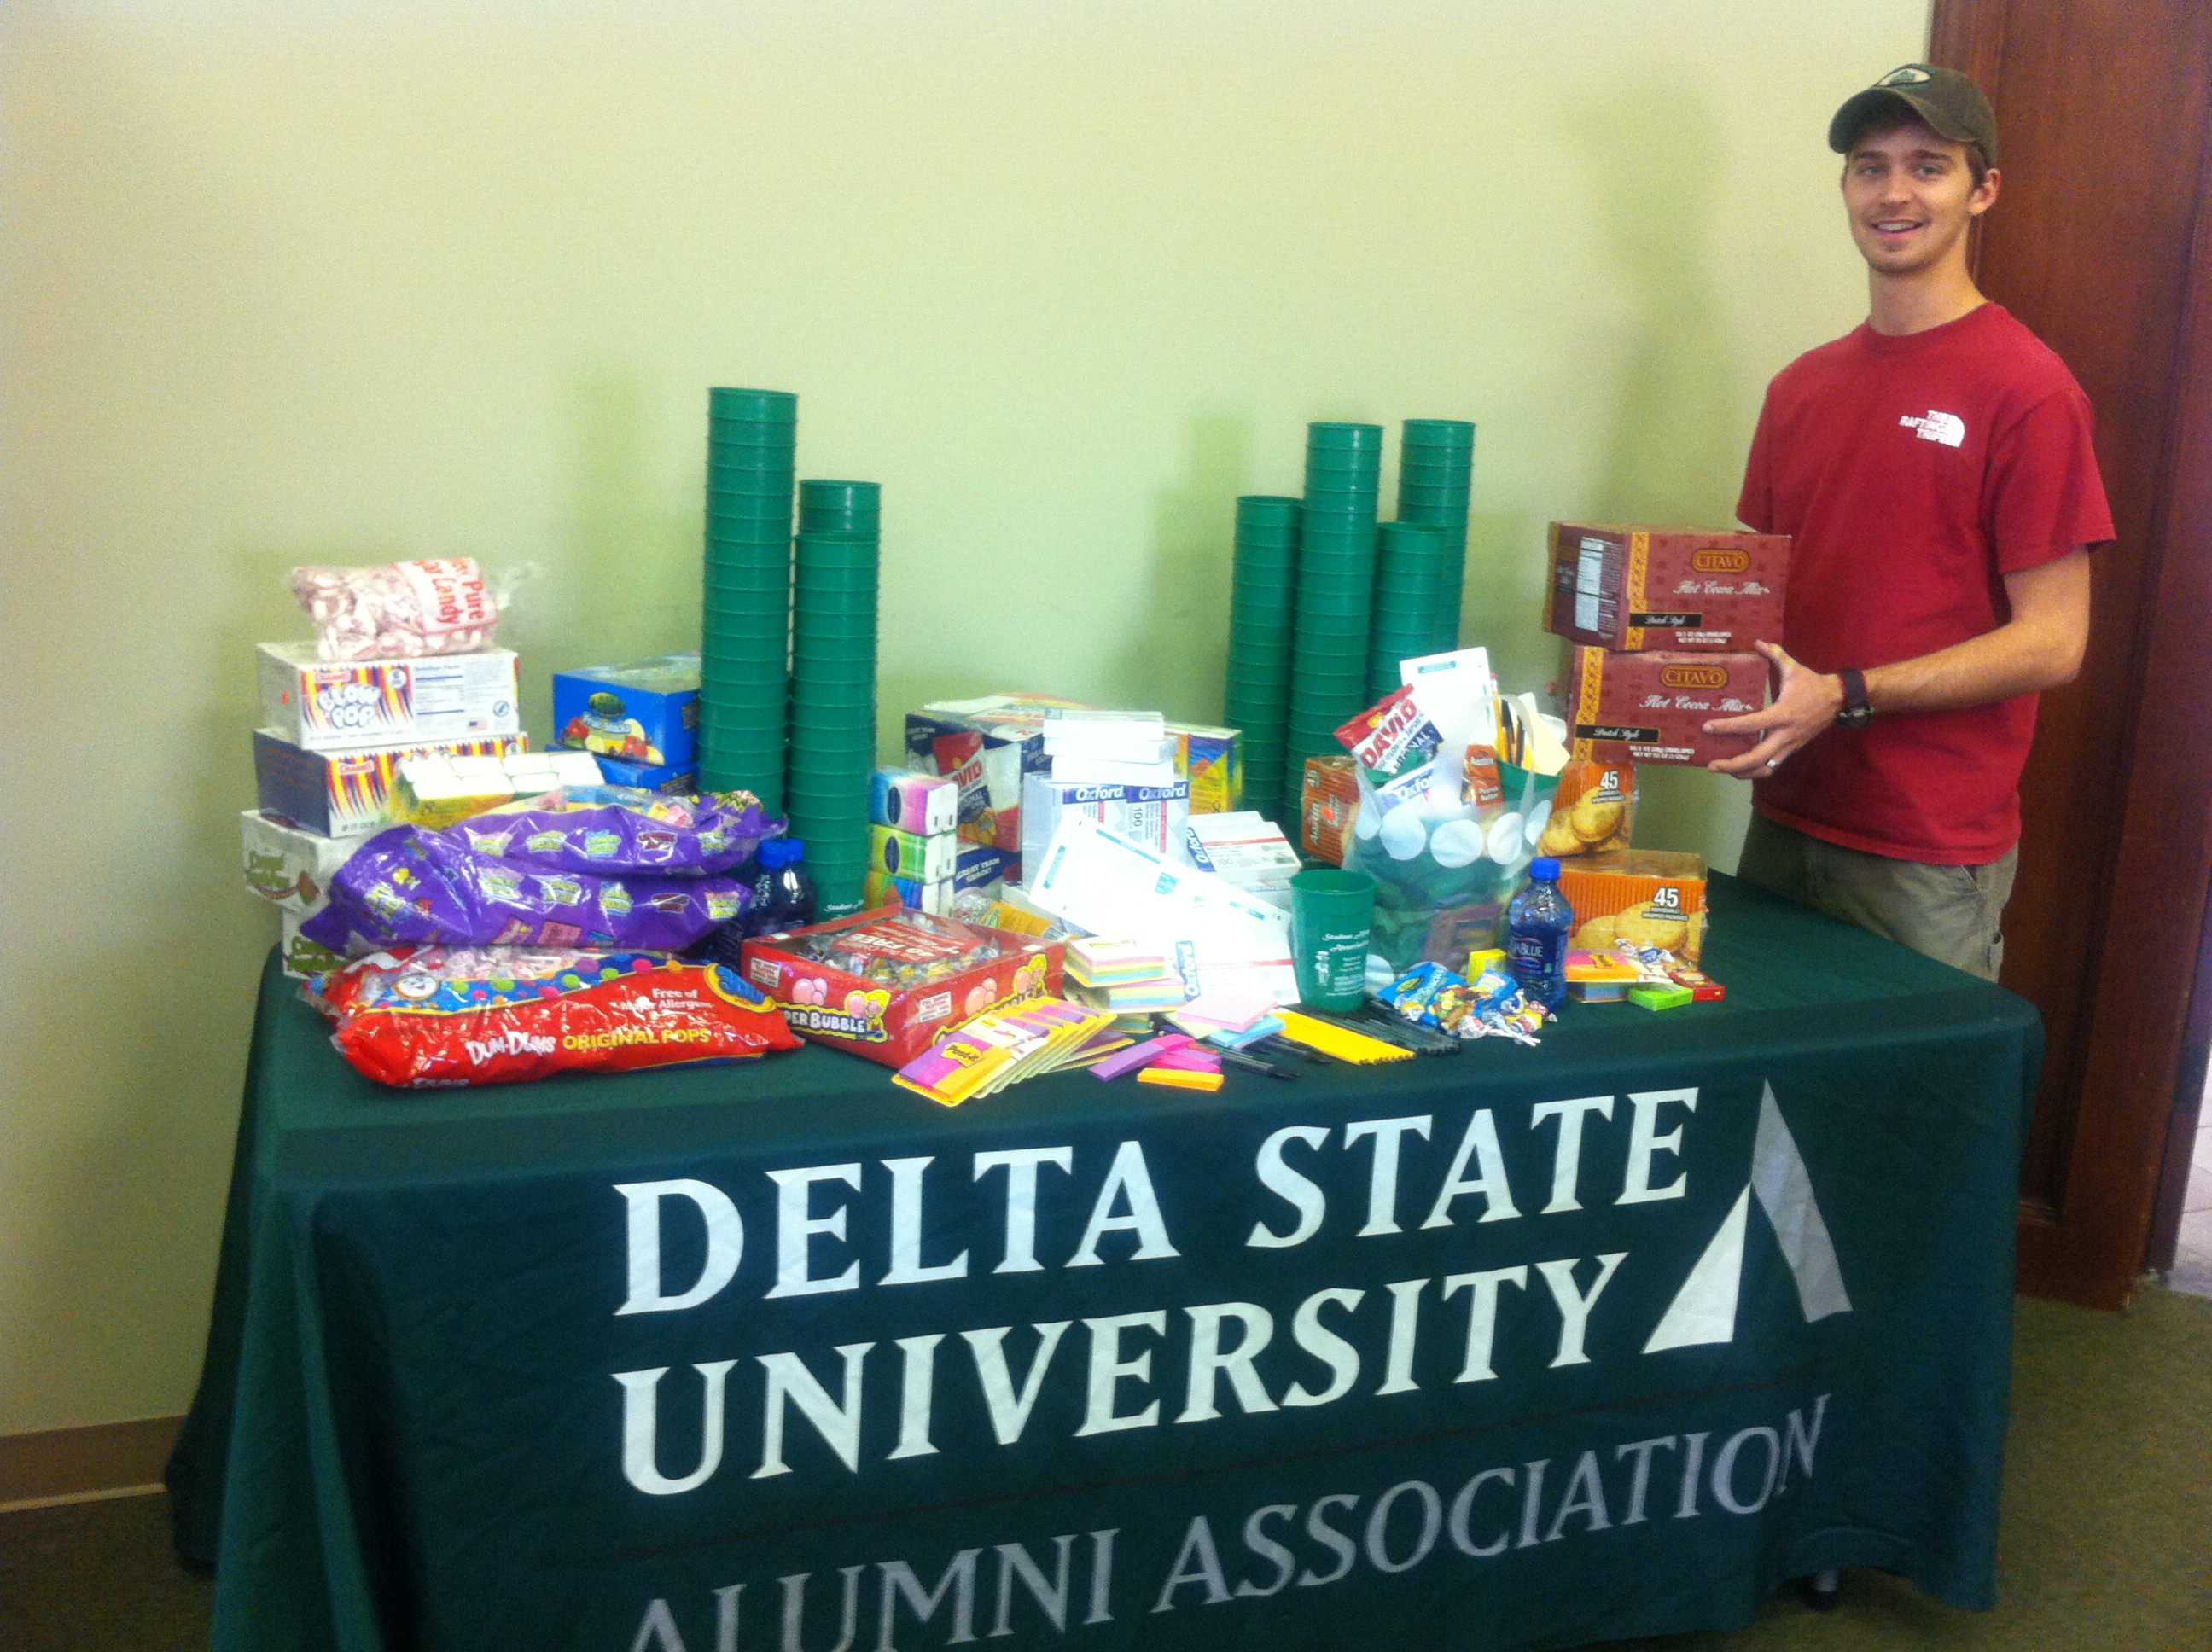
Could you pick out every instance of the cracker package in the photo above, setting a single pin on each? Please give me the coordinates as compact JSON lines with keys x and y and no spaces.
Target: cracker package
{"x":1637,"y":897}
{"x":1594,"y":812}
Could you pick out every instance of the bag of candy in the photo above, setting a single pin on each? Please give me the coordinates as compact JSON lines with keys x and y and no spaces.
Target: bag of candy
{"x":409,"y":886}
{"x":428,"y":1017}
{"x":609,"y":829}
{"x":441,"y":605}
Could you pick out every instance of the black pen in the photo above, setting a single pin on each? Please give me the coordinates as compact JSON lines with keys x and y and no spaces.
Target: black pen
{"x":1253,"y":1064}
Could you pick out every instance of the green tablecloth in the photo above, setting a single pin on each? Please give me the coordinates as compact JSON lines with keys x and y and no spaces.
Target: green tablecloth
{"x":1521,"y":1348}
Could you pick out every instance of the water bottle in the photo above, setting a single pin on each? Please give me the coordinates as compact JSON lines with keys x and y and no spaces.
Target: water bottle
{"x":1537,"y":926}
{"x":783,"y":895}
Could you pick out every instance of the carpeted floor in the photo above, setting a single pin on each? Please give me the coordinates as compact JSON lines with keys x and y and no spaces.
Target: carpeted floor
{"x":2106,"y":1545}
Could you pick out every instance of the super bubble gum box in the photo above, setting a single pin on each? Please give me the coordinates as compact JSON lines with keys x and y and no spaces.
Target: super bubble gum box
{"x":886,"y":984}
{"x":321,"y":706}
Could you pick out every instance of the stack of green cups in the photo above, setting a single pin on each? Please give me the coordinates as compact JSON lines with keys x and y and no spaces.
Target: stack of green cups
{"x":1410,"y":616}
{"x":833,"y":686}
{"x":1336,"y":589}
{"x":1436,"y":475}
{"x":1262,"y":599}
{"x":752,"y":436}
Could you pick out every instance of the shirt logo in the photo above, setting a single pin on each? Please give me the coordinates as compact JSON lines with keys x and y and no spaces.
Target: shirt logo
{"x":1947,"y":428}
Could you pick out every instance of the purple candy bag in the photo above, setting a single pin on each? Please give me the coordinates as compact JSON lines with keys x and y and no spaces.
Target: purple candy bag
{"x":408,"y":885}
{"x":603,"y":830}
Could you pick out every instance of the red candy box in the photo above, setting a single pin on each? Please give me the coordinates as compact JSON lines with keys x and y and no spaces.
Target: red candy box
{"x":884,"y":984}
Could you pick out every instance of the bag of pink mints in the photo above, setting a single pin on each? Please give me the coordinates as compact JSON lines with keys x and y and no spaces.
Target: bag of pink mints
{"x":403,"y":611}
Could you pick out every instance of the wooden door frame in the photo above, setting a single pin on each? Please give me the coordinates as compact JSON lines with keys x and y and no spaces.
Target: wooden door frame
{"x":2124,"y":1080}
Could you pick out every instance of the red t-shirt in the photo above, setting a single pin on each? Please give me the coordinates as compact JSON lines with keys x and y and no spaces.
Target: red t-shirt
{"x":1913,"y":473}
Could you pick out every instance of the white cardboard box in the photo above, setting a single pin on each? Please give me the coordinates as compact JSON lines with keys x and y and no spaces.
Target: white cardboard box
{"x":331,"y":706}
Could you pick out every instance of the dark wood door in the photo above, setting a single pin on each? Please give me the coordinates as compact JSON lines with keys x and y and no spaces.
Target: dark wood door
{"x":2101,"y":242}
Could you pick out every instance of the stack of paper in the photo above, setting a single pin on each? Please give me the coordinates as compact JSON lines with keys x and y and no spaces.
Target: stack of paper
{"x":1244,"y":849}
{"x":1220,"y":937}
{"x":1109,"y":748}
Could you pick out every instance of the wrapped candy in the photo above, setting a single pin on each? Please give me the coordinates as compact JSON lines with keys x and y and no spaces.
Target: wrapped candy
{"x":617,"y":829}
{"x":402,"y":610}
{"x":408,"y":886}
{"x":425,"y":1017}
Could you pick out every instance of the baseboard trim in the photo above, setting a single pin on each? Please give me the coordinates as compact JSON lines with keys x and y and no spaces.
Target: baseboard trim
{"x":76,"y":1465}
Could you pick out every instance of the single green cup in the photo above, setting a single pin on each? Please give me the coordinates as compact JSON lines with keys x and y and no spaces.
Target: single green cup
{"x":1440,"y":433}
{"x":1331,"y":912}
{"x":1267,"y":508}
{"x":1335,"y":432}
{"x":736,"y":402}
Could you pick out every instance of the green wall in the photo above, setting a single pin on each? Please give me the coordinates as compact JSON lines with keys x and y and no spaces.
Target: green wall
{"x":290,"y":283}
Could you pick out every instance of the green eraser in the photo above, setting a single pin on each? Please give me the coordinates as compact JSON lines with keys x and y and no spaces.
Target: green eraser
{"x":1656,"y":997}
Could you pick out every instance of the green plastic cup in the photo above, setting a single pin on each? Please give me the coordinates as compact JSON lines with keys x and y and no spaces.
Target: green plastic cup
{"x":832,"y":494}
{"x":736,"y":402}
{"x":1336,"y":432}
{"x":1267,"y":508}
{"x":834,"y":580}
{"x":819,"y":552}
{"x":1439,"y":433}
{"x":1331,"y":912}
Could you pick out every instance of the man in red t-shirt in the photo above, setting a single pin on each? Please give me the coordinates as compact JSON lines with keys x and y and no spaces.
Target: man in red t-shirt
{"x":1934,"y":472}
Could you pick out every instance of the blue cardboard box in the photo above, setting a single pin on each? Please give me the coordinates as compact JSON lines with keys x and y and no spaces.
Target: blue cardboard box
{"x":646,"y":713}
{"x":680,"y":780}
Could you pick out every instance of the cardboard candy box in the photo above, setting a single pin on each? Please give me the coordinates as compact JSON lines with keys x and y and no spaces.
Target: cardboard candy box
{"x":886,"y":984}
{"x":1630,"y":588}
{"x":1652,"y":707}
{"x":645,"y":713}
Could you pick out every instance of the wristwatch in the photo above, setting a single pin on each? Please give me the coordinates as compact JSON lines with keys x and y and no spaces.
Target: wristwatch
{"x":1857,"y":712}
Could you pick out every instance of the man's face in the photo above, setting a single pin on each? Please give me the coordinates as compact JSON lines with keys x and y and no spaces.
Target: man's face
{"x":1911,"y":194}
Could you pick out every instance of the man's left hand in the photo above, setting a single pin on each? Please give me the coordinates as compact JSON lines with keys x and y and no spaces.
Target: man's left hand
{"x":1805,"y":702}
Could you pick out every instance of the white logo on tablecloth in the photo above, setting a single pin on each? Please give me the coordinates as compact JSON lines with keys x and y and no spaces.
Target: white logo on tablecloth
{"x":1704,"y":1309}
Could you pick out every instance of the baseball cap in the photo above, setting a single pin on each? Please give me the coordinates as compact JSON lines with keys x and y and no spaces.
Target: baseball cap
{"x":1949,"y":103}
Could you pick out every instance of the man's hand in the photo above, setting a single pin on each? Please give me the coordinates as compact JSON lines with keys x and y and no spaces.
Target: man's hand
{"x":1804,"y":704}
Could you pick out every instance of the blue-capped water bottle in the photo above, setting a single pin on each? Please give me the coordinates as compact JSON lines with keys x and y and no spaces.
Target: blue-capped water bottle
{"x":1537,"y":926}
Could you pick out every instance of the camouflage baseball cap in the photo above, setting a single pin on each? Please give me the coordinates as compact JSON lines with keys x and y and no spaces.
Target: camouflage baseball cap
{"x":1949,"y":103}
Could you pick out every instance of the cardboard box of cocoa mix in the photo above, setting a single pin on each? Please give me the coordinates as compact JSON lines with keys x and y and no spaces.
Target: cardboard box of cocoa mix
{"x":1628,"y":588}
{"x":1652,"y":707}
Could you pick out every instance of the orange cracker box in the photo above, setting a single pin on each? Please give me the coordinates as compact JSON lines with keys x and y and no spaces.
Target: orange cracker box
{"x":1652,"y":708}
{"x":1628,"y":588}
{"x":884,"y":984}
{"x":1594,"y":811}
{"x":1637,"y":897}
{"x":1329,"y":803}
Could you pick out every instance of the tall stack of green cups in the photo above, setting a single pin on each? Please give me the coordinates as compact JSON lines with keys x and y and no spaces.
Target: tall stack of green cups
{"x":1410,"y":618}
{"x":833,"y":685}
{"x":1336,"y":591}
{"x":752,"y":437}
{"x":1262,"y":599}
{"x":1436,"y":475}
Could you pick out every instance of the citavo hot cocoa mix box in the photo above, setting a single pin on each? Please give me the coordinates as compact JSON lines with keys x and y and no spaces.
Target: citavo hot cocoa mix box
{"x":1619,"y":587}
{"x":1651,"y":708}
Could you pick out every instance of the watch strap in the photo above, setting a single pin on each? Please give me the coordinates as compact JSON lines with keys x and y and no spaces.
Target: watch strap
{"x":1858,"y":710}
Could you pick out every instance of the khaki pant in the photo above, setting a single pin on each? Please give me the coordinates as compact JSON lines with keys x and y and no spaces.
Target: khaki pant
{"x":1950,"y":913}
